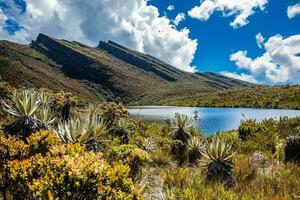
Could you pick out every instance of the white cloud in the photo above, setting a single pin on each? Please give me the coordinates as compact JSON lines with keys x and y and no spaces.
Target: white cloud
{"x":259,"y":40}
{"x":170,"y":7}
{"x":131,"y":23}
{"x":242,"y":76}
{"x":279,"y":64}
{"x":293,"y":10}
{"x":179,"y":18}
{"x":241,"y":9}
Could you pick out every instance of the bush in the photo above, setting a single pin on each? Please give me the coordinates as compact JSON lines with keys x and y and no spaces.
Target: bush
{"x":11,"y":148}
{"x":131,"y":155}
{"x":69,"y":172}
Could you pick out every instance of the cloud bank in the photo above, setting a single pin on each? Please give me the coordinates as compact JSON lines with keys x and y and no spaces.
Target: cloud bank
{"x":242,"y":76}
{"x":241,"y":9}
{"x":293,"y":10}
{"x":279,"y":64}
{"x":134,"y":24}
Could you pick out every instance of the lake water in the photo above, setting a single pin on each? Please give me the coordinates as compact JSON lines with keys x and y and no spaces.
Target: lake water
{"x":210,"y":120}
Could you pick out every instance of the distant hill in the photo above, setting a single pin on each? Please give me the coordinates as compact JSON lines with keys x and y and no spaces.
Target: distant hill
{"x":285,"y":97}
{"x":109,"y":71}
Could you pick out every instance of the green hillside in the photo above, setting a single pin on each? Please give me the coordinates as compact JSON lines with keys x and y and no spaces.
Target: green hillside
{"x":287,"y":97}
{"x":107,"y":72}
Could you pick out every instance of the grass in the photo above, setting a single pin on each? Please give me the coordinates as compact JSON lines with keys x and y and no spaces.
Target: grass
{"x":283,"y":97}
{"x":44,"y":167}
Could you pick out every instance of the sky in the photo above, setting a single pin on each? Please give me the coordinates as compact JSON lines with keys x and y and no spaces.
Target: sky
{"x":252,"y":40}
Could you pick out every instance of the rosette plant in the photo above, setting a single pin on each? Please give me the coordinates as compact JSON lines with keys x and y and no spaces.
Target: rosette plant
{"x":24,"y":105}
{"x":180,"y":131}
{"x":88,"y":129}
{"x":217,"y":162}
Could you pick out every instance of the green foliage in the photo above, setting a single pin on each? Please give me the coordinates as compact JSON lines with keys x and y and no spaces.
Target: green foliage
{"x":194,"y":154}
{"x":39,"y":143}
{"x":217,"y":162}
{"x":180,"y":131}
{"x":111,"y":111}
{"x":82,"y":175}
{"x":292,"y":149}
{"x":285,"y":97}
{"x":88,"y":129}
{"x":24,"y":105}
{"x":131,"y":155}
{"x":180,"y":127}
{"x":122,"y":130}
{"x":248,"y":128}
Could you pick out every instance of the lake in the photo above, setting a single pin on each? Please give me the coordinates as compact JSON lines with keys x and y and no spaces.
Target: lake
{"x":210,"y":120}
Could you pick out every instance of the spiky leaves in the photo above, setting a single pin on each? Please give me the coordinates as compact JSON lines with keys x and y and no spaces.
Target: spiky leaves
{"x":292,"y":149}
{"x":217,"y":162}
{"x":45,"y":98}
{"x":180,"y":130}
{"x":88,"y":129}
{"x":25,"y":103}
{"x":194,"y":154}
{"x":122,"y":130}
{"x":45,"y":116}
{"x":180,"y":127}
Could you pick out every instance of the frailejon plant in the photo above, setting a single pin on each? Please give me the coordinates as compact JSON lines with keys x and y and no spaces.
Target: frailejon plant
{"x":181,"y":134}
{"x":25,"y":103}
{"x":45,"y":116}
{"x":217,"y":156}
{"x":194,"y":154}
{"x":292,"y":149}
{"x":122,"y":130}
{"x":88,"y":129}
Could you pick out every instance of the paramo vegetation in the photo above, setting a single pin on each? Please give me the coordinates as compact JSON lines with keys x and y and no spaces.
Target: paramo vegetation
{"x":283,"y":97}
{"x":96,"y":151}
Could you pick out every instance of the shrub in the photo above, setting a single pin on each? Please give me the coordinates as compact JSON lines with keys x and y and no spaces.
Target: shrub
{"x":11,"y":148}
{"x":131,"y":155}
{"x":69,"y":172}
{"x":292,"y":149}
{"x":247,"y":128}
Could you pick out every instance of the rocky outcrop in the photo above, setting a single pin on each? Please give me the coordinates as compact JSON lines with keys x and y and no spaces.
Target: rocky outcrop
{"x":73,"y":63}
{"x":137,"y":59}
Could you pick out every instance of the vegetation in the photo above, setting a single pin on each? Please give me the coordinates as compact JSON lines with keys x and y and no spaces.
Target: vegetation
{"x":88,"y":158}
{"x":285,"y":97}
{"x":109,"y":74}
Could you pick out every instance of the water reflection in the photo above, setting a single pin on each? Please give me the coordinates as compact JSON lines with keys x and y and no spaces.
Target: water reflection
{"x":211,"y":120}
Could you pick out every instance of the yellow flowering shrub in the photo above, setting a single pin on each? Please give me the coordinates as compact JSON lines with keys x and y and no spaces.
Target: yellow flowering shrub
{"x":69,"y":172}
{"x":131,"y":155}
{"x":12,"y":148}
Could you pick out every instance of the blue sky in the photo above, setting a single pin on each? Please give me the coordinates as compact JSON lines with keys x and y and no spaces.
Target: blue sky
{"x":218,"y":40}
{"x":209,"y":44}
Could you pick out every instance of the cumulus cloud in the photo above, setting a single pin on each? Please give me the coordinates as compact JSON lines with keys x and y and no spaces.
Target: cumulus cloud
{"x":179,"y":18}
{"x":293,"y":10}
{"x":279,"y":64}
{"x":131,"y":23}
{"x":170,"y":7}
{"x":242,"y":76}
{"x":241,"y":9}
{"x":259,"y":40}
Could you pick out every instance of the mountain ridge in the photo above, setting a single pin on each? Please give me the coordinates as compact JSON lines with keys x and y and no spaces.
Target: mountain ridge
{"x":108,"y":71}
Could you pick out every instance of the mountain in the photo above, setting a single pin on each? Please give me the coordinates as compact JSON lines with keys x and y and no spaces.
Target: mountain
{"x":109,"y":71}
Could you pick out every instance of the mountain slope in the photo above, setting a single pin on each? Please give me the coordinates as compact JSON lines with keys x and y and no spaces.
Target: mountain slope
{"x":107,"y":71}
